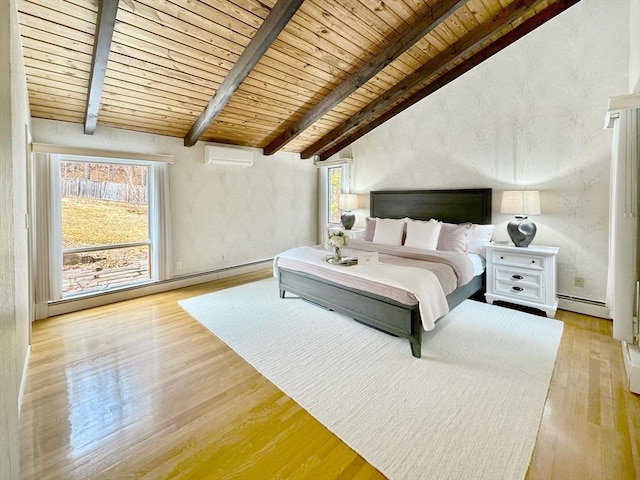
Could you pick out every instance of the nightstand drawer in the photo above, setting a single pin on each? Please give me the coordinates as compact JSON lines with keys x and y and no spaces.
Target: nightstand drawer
{"x":515,"y":276}
{"x":534,"y":262}
{"x":533,"y":293}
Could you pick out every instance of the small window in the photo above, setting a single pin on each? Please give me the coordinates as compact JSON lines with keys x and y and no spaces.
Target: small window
{"x":334,"y":189}
{"x":337,"y":183}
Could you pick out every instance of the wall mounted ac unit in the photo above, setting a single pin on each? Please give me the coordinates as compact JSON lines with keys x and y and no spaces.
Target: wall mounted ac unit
{"x":229,"y":155}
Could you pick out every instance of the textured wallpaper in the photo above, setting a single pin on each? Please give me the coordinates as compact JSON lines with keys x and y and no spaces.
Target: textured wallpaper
{"x":530,"y":117}
{"x":234,"y":215}
{"x":221,"y":215}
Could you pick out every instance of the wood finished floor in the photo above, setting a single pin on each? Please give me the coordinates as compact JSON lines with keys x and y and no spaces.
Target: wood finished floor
{"x":141,"y":390}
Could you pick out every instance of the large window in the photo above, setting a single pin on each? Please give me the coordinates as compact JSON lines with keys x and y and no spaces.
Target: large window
{"x":105,"y":225}
{"x":101,"y":223}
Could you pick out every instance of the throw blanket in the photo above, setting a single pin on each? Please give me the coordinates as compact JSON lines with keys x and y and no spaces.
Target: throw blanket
{"x":423,"y":284}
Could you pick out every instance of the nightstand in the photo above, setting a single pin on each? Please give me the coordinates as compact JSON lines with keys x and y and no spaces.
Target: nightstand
{"x":523,"y":275}
{"x":355,"y":233}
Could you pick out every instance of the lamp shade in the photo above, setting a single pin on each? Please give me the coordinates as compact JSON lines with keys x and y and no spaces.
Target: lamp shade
{"x":348,"y":201}
{"x":520,"y":202}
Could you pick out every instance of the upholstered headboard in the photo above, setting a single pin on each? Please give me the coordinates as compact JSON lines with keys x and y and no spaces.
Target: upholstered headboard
{"x":451,"y":206}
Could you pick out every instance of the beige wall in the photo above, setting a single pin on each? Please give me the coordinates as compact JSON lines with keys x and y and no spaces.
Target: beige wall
{"x":222,"y":216}
{"x":532,"y":116}
{"x":14,"y":298}
{"x":634,"y":50}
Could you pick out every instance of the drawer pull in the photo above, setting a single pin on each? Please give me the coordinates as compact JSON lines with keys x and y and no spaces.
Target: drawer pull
{"x":533,"y":261}
{"x":517,"y":289}
{"x":517,"y":277}
{"x":501,"y":258}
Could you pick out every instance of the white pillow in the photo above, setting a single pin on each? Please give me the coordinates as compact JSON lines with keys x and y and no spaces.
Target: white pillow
{"x":389,"y":231}
{"x":479,"y":237}
{"x":422,"y":234}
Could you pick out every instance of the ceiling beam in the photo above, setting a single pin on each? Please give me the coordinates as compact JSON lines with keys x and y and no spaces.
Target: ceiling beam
{"x":433,"y":17}
{"x":275,"y":22}
{"x":383,"y":109}
{"x":434,"y":66}
{"x":107,"y":10}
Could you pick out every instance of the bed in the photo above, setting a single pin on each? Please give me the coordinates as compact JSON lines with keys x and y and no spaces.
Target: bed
{"x":377,"y":310}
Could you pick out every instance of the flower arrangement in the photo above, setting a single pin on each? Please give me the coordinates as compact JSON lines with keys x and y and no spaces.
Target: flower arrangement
{"x":335,"y":241}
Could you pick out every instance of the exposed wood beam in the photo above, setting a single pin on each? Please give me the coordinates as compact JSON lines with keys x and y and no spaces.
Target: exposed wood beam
{"x":275,"y":22}
{"x":107,"y":10}
{"x":425,"y":24}
{"x":384,"y":108}
{"x":436,"y":65}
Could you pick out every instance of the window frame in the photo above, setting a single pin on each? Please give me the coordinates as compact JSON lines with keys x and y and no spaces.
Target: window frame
{"x":45,"y":229}
{"x":324,"y":192}
{"x":57,"y":177}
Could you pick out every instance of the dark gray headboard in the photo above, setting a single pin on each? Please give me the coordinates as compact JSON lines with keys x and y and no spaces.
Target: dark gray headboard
{"x":450,"y":206}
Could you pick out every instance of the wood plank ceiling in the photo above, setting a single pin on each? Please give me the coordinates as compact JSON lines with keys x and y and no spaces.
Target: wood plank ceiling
{"x":335,"y":69}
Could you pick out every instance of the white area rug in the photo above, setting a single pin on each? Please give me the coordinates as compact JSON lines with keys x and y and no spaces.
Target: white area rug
{"x":468,"y":409}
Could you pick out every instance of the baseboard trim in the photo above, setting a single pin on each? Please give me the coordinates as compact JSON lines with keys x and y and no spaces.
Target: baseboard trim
{"x":74,"y":305}
{"x":593,"y":309}
{"x":631,"y":354}
{"x":23,"y":380}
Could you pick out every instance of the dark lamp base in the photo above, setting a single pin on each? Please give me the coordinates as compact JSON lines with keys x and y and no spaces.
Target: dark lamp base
{"x":521,"y":230}
{"x":347,"y":219}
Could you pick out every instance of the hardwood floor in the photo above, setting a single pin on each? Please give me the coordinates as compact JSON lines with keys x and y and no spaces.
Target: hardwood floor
{"x":591,"y":424}
{"x":141,"y":390}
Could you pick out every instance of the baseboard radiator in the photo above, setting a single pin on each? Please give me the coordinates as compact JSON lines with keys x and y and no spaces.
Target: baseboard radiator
{"x":587,"y":306}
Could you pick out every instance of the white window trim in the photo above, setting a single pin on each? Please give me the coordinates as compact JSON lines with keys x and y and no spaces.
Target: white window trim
{"x":98,"y":152}
{"x":323,"y":191}
{"x":47,"y":219}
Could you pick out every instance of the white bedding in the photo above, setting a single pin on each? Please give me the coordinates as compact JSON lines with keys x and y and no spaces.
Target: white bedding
{"x":479,"y":263}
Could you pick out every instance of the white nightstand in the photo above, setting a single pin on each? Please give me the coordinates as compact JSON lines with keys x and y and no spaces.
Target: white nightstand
{"x":523,"y":275}
{"x":355,"y":233}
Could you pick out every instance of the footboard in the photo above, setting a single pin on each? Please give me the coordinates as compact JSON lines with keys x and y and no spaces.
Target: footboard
{"x":378,"y":312}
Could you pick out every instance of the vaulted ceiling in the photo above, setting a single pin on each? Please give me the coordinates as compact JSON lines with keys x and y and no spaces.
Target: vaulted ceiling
{"x":308,"y":76}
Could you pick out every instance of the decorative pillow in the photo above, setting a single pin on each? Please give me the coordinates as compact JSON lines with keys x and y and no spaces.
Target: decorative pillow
{"x":369,"y":229}
{"x":453,"y":237}
{"x":422,"y":234}
{"x":479,"y":237}
{"x":389,"y":231}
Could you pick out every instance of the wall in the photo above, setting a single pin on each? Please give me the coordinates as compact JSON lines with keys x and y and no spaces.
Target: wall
{"x":532,"y":116}
{"x":14,"y":296}
{"x":634,"y":44}
{"x":221,"y":215}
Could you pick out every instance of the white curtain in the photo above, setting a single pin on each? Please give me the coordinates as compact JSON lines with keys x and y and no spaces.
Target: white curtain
{"x":623,"y":224}
{"x":160,"y":221}
{"x":48,"y":226}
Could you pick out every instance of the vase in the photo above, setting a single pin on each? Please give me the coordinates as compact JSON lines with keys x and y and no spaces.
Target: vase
{"x":337,"y":254}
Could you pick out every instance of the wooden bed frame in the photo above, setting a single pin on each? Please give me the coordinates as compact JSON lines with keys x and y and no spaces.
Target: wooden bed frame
{"x":451,"y":206}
